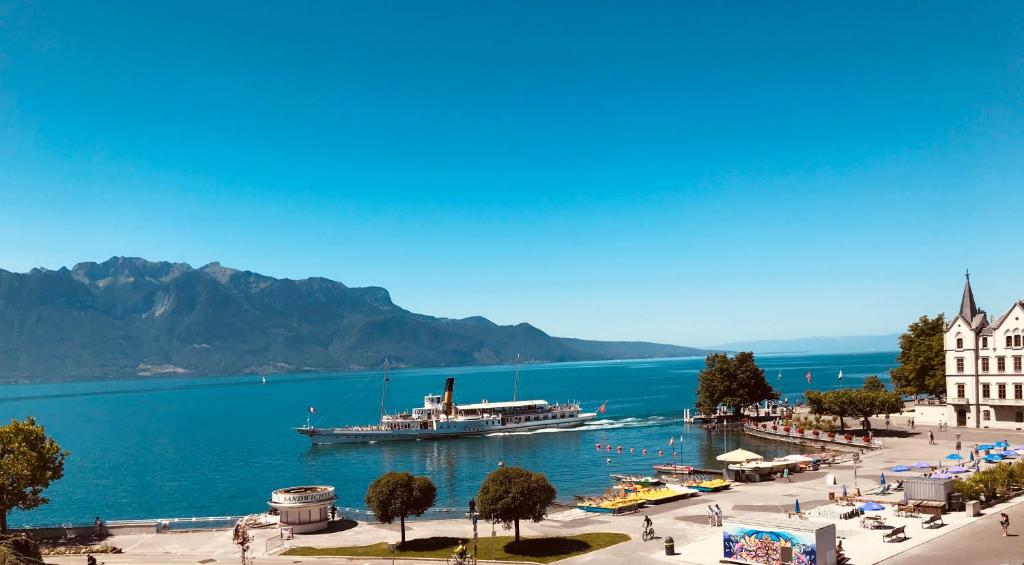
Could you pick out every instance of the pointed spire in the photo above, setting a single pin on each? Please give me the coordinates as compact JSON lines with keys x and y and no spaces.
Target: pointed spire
{"x":968,"y":309}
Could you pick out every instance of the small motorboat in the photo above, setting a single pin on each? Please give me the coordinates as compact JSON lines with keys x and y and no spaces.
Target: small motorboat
{"x":637,"y":480}
{"x":673,"y":469}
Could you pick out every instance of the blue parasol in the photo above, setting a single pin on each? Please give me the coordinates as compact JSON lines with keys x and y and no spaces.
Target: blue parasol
{"x":900,"y":469}
{"x":844,"y":491}
{"x":986,"y":446}
{"x":993,"y":458}
{"x":871,"y":507}
{"x":942,"y":476}
{"x":954,"y":456}
{"x":922,"y":465}
{"x":956,"y":470}
{"x":881,"y":480}
{"x":796,"y":506}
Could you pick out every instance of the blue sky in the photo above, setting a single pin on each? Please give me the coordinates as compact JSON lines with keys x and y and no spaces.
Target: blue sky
{"x":683,"y":172}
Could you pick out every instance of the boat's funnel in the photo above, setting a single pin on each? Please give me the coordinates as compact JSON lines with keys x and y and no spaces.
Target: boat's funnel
{"x":449,"y":386}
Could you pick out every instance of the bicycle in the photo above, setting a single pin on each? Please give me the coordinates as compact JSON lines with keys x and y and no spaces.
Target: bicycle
{"x":648,"y":533}
{"x":454,"y":559}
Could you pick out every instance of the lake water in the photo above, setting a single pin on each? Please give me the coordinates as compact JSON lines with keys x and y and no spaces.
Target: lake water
{"x":218,"y":446}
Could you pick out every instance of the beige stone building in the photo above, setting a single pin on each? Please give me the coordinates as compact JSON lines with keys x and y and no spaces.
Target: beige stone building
{"x":984,"y":374}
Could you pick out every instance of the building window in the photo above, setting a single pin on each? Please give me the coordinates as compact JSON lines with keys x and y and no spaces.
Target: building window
{"x":959,"y":364}
{"x":1016,"y":341}
{"x":1001,"y":391}
{"x":1009,"y":341}
{"x":960,"y":390}
{"x":984,"y":364}
{"x":1018,"y":391}
{"x":1001,"y":364}
{"x":984,"y":391}
{"x":959,"y":343}
{"x":1020,"y":416}
{"x":986,"y":415}
{"x":984,"y":342}
{"x":1016,"y":364}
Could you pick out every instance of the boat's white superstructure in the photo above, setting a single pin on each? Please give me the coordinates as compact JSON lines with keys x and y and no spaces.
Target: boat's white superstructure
{"x":439,"y":417}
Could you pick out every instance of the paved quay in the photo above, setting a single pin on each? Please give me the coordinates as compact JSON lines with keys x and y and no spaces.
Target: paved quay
{"x":962,"y":540}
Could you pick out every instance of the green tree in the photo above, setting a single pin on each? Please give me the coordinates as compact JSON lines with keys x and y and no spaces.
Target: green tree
{"x":922,"y":359}
{"x":511,"y":494}
{"x":847,"y":402}
{"x":735,"y":382}
{"x":873,"y":383}
{"x":29,"y":461}
{"x":398,"y":495}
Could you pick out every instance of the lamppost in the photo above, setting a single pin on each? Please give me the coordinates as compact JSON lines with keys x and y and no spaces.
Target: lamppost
{"x":392,"y":545}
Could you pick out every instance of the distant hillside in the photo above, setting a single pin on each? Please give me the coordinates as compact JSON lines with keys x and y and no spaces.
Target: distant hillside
{"x":129,"y":316}
{"x":843,"y":344}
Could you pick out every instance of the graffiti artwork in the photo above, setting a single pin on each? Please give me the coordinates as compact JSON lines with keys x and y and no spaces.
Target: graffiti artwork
{"x":769,"y":547}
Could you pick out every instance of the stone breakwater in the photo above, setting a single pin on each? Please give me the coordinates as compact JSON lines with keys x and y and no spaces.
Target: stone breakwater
{"x":823,"y":440}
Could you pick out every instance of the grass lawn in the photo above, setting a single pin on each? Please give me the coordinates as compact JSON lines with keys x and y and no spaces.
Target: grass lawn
{"x":502,"y":548}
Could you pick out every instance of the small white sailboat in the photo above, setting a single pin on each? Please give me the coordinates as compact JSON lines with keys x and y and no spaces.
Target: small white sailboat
{"x":264,"y":379}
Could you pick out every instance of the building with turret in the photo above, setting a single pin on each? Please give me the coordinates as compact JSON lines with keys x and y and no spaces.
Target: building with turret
{"x":984,"y":374}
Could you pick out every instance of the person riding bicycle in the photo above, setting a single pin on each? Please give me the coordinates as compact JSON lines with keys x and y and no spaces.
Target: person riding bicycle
{"x":647,"y":522}
{"x":460,"y":551}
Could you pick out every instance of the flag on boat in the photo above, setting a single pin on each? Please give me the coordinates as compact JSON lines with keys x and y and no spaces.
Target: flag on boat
{"x":840,"y":374}
{"x":671,"y":441}
{"x":600,"y":409}
{"x":808,"y":377}
{"x":312,"y":410}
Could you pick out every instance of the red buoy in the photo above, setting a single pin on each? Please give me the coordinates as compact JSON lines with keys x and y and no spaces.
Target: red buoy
{"x":609,"y":448}
{"x":660,"y":453}
{"x":644,"y":452}
{"x":598,"y":446}
{"x":632,"y":450}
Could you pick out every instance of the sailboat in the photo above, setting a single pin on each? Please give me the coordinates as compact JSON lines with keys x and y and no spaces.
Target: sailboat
{"x":440,"y":417}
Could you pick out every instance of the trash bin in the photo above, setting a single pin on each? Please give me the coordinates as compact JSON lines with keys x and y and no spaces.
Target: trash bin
{"x":670,"y":546}
{"x":973,"y":508}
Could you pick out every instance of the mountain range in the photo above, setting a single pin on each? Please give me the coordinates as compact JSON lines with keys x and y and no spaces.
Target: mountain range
{"x":132,"y":317}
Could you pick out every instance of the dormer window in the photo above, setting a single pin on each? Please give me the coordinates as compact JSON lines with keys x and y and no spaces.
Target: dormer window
{"x":959,"y":343}
{"x":984,"y":342}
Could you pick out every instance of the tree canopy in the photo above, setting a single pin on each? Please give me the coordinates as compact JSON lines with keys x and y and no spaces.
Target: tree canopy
{"x":922,"y":359}
{"x":846,"y":402}
{"x":398,"y":495}
{"x":511,"y":494}
{"x":873,"y":383}
{"x":733,"y":382}
{"x":29,"y":461}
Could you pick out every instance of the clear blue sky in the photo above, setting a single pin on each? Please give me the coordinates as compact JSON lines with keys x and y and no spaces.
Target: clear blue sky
{"x":680,"y":171}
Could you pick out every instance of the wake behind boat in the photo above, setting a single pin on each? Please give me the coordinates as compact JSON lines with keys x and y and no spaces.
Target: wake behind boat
{"x":440,"y":417}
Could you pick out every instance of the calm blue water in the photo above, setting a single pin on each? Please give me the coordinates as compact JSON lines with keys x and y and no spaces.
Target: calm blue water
{"x":217,"y":446}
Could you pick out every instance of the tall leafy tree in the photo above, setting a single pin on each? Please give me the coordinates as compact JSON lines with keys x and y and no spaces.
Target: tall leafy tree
{"x":511,"y":494}
{"x":29,"y":461}
{"x":398,"y":495}
{"x":734,"y":382}
{"x":922,"y":358}
{"x":847,"y":402}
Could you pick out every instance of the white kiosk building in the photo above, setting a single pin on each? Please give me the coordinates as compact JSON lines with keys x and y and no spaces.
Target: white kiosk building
{"x":303,"y":509}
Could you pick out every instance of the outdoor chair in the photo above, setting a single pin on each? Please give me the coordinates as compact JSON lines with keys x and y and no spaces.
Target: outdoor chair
{"x":891,"y":535}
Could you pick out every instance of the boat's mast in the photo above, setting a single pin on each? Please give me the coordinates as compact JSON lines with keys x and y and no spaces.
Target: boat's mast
{"x":384,"y":391}
{"x":515,"y":388}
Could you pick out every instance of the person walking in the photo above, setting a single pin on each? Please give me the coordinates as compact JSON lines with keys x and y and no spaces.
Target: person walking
{"x":711,"y":516}
{"x":931,"y":438}
{"x":1004,"y":522}
{"x":785,"y":475}
{"x":718,"y":516}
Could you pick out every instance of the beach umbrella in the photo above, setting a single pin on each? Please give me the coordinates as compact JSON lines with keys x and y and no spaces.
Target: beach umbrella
{"x":1007,"y":453}
{"x":871,"y":507}
{"x":1002,"y":444}
{"x":844,"y":491}
{"x":1016,"y":447}
{"x":942,"y":476}
{"x":954,"y":456}
{"x":986,"y":446}
{"x":922,"y":465}
{"x":956,"y":470}
{"x":900,"y":469}
{"x":881,"y":480}
{"x":993,"y":458}
{"x":796,"y":506}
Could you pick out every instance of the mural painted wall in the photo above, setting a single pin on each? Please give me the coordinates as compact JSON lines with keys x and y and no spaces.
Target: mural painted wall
{"x":766,"y":547}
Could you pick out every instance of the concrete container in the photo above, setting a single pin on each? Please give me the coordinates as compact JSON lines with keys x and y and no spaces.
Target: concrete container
{"x":747,"y":539}
{"x":923,"y":488}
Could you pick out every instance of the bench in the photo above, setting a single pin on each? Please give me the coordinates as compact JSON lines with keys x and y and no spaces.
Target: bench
{"x":894,"y":533}
{"x":933,"y":521}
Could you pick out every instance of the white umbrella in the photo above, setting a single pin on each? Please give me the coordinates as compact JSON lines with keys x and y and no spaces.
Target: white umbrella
{"x":739,"y":456}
